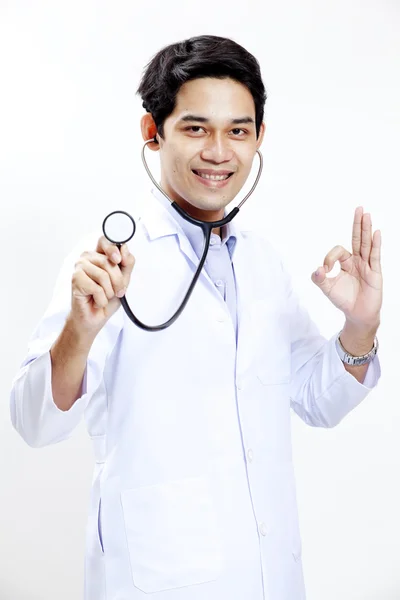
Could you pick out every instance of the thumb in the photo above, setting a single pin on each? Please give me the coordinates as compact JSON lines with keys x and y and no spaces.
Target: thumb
{"x":321,"y":280}
{"x":127,"y":263}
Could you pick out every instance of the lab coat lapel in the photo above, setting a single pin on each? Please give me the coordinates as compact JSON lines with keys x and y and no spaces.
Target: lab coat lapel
{"x":159,"y":223}
{"x":245,"y":294}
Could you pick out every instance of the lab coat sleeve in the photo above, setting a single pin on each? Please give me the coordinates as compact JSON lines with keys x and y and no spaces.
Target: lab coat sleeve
{"x":322,"y":391}
{"x":34,"y":414}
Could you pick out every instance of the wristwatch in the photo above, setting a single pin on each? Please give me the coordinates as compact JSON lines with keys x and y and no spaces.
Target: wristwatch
{"x":356,"y":361}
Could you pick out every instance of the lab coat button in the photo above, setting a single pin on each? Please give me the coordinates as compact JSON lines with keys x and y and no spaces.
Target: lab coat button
{"x":239,"y":384}
{"x":263,"y":529}
{"x":250,"y":455}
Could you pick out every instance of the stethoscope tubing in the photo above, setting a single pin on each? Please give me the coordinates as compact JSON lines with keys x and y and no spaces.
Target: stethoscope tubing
{"x":206,"y":226}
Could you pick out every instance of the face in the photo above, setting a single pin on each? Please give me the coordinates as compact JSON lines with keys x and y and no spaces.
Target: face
{"x":208,"y":146}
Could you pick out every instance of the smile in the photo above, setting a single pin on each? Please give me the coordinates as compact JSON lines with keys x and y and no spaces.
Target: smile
{"x":212,"y":178}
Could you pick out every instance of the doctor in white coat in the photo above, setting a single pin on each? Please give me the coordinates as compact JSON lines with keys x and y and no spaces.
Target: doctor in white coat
{"x":193,"y":493}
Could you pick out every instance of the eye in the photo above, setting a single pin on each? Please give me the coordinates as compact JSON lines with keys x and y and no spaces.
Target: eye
{"x":194,"y":129}
{"x":238,"y":132}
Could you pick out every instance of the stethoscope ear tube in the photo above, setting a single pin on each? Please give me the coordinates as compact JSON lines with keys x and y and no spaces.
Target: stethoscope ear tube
{"x":206,"y":226}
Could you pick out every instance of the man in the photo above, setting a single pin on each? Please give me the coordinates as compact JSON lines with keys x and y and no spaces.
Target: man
{"x":194,"y":495}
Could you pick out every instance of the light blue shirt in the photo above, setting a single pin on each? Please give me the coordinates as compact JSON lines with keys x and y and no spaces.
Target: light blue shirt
{"x":218,"y":263}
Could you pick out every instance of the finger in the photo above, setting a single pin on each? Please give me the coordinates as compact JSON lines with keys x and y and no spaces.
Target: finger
{"x":337,"y":253}
{"x":366,"y":236}
{"x":356,"y":237}
{"x":113,"y":271}
{"x":127,"y":263}
{"x":83,"y":285}
{"x":375,"y":256}
{"x":100,"y":276}
{"x":321,"y":280}
{"x":100,"y":300}
{"x":104,"y":246}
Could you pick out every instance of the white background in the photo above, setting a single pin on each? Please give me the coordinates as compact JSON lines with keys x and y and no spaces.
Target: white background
{"x":69,"y":152}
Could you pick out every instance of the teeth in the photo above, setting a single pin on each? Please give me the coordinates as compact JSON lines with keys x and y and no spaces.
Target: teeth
{"x":213,"y":177}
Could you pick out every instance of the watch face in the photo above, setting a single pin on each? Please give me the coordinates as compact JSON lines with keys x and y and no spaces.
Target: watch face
{"x":360,"y":361}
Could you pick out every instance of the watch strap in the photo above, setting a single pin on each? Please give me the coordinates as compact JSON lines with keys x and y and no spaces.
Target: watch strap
{"x":349,"y":359}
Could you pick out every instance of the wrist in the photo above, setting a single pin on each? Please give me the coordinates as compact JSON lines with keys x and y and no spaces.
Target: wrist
{"x":357,"y":339}
{"x":77,"y":337}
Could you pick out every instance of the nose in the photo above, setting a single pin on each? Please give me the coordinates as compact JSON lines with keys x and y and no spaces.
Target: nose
{"x":217,"y":150}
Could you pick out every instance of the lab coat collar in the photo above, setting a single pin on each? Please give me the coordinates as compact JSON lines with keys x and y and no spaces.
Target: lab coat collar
{"x":159,"y":222}
{"x":192,"y":232}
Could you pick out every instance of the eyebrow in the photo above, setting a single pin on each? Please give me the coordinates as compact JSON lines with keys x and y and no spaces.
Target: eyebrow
{"x":199,"y":119}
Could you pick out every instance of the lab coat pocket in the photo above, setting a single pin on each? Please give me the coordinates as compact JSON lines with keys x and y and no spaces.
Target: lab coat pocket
{"x":295,"y":578}
{"x":296,"y":545}
{"x":292,"y":514}
{"x":172,"y":534}
{"x":296,"y":570}
{"x":99,"y":532}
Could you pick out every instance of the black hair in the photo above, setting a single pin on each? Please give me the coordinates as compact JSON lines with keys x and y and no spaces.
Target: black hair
{"x":194,"y":58}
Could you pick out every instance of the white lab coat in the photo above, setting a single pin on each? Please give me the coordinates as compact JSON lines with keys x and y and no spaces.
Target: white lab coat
{"x":193,"y":493}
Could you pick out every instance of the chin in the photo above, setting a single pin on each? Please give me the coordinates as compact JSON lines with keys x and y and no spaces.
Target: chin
{"x":213,"y":203}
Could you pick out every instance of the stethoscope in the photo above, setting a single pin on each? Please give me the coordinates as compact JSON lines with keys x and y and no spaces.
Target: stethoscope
{"x":206,"y":226}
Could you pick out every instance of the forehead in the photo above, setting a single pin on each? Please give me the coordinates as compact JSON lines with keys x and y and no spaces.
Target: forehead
{"x":214,"y":98}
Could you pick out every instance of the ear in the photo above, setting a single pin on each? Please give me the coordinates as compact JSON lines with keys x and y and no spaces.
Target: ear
{"x":261,"y":135}
{"x":149,"y":130}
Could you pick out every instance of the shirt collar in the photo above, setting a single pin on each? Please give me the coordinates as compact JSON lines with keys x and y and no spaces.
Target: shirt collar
{"x":193,"y":232}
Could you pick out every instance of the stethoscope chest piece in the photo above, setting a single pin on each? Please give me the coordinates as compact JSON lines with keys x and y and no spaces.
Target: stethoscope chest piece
{"x":119,"y":227}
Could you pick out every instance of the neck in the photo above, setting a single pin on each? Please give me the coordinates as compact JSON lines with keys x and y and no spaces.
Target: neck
{"x":202,"y":215}
{"x":196,"y":213}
